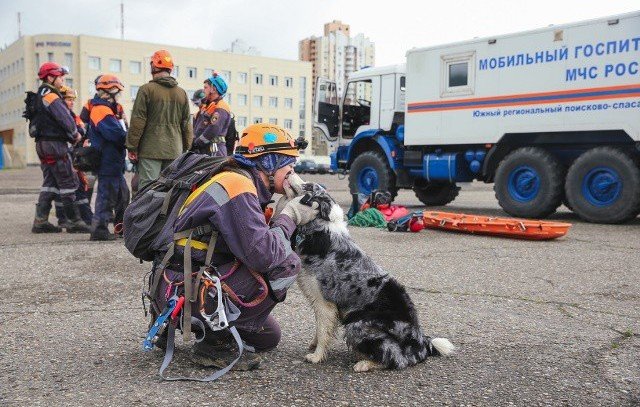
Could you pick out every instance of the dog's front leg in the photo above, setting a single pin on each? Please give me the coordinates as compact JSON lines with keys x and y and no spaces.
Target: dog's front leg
{"x":326,"y":325}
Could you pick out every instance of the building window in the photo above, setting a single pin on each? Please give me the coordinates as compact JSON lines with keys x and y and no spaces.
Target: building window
{"x":135,"y":67}
{"x":176,"y":71}
{"x":68,"y":82}
{"x":226,"y":75}
{"x":257,"y":79}
{"x":94,"y":63}
{"x":50,"y":56}
{"x":257,"y":102}
{"x":257,"y":120}
{"x":288,"y":124}
{"x":37,"y":61}
{"x":273,"y":120}
{"x":241,"y":122}
{"x":273,"y":80}
{"x":288,"y":82}
{"x":115,"y":65}
{"x":92,"y":88}
{"x":228,"y":97}
{"x":208,"y":73}
{"x":288,"y":103}
{"x":242,"y":77}
{"x":273,"y":102}
{"x":242,"y":99}
{"x":192,"y":72}
{"x":134,"y":91}
{"x":68,"y":60}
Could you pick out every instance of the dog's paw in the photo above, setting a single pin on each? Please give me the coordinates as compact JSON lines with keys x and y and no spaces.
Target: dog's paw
{"x":365,"y":366}
{"x":314,"y":357}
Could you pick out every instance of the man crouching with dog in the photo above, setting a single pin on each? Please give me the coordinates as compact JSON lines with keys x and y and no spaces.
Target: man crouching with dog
{"x":249,"y":250}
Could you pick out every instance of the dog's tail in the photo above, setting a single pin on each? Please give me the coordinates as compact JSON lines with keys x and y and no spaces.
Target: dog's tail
{"x":438,"y":346}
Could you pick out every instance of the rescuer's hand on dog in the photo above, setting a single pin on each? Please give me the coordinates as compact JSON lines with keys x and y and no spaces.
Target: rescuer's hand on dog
{"x":300,"y":213}
{"x":292,"y":187}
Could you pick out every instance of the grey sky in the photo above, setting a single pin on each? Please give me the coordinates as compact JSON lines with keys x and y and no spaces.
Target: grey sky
{"x":276,"y":26}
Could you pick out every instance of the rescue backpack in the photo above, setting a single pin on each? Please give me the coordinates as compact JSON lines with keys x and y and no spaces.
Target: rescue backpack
{"x":31,"y":111}
{"x":150,"y":217}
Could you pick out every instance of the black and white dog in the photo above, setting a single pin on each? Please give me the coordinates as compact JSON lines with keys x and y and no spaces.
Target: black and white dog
{"x":345,"y":286}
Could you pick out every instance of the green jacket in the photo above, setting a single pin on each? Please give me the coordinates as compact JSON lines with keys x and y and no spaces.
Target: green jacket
{"x":161,"y":125}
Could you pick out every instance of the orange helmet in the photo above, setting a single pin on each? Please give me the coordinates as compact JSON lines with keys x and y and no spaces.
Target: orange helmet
{"x":107,"y":82}
{"x":261,"y":138}
{"x":162,"y":60}
{"x":68,"y":93}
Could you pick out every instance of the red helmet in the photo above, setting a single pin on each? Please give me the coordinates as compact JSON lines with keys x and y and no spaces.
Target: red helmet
{"x":162,"y":60}
{"x":52,"y":69}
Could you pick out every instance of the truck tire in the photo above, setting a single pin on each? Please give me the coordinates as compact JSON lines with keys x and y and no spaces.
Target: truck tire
{"x":433,"y":194}
{"x":603,"y":186}
{"x":529,"y":183}
{"x":370,"y":171}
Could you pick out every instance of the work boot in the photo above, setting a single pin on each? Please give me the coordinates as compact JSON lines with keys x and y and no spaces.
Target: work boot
{"x":74,"y":223}
{"x":101,"y":232}
{"x":41,"y":222}
{"x":221,"y":356}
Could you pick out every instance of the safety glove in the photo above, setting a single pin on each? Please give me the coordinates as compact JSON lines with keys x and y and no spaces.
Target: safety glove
{"x":300,"y":213}
{"x":292,"y":187}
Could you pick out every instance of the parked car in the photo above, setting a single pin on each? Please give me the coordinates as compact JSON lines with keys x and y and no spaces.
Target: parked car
{"x":324,"y":169}
{"x":306,"y":167}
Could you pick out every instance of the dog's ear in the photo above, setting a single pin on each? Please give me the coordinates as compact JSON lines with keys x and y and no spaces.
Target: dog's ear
{"x":325,"y":204}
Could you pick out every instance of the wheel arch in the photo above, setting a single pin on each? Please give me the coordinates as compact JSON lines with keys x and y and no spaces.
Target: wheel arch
{"x":370,"y":140}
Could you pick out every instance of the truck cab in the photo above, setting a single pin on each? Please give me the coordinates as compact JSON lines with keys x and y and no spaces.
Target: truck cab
{"x":368,"y":116}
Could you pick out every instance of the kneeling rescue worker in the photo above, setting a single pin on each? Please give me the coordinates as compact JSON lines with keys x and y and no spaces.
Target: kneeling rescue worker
{"x":248,"y":250}
{"x":54,"y":128}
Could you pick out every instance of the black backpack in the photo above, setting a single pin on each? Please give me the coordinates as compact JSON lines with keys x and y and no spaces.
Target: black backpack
{"x":31,"y":111}
{"x":150,"y":217}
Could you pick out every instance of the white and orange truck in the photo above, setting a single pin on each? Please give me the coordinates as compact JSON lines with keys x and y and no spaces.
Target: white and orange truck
{"x":549,"y":116}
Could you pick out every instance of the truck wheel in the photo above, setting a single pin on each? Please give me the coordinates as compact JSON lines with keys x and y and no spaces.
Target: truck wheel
{"x":370,"y":171}
{"x":528,"y":183}
{"x":432,"y":194}
{"x":603,"y":186}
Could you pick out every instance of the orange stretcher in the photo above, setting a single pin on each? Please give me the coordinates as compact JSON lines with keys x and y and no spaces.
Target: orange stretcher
{"x":494,"y":226}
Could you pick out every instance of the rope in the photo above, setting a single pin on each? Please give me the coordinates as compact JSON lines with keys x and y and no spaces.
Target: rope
{"x":368,"y":218}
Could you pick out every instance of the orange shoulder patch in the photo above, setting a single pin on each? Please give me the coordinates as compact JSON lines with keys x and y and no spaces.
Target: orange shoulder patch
{"x":98,"y":113}
{"x":49,"y":98}
{"x":236,"y":184}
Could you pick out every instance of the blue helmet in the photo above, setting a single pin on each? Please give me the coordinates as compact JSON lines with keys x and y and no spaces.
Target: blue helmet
{"x":219,"y":83}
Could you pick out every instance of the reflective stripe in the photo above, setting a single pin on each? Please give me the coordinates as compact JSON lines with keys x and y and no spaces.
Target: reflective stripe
{"x":67,"y":191}
{"x":194,"y":244}
{"x":59,"y":205}
{"x":50,"y":189}
{"x":283,"y":240}
{"x":82,"y":201}
{"x":218,"y":193}
{"x":282,"y":283}
{"x":200,"y":190}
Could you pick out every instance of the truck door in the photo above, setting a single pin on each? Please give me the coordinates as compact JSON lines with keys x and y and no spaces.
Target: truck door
{"x":361,"y":107}
{"x":326,"y":109}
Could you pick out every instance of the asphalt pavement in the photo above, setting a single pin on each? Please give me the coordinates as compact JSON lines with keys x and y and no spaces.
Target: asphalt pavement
{"x":534,"y":323}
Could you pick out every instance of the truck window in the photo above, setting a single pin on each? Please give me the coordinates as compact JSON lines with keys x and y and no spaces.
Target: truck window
{"x":356,"y":110}
{"x":457,"y":74}
{"x":403,"y":83}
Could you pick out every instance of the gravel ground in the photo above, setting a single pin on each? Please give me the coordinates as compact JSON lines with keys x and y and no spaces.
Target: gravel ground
{"x":535,"y":323}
